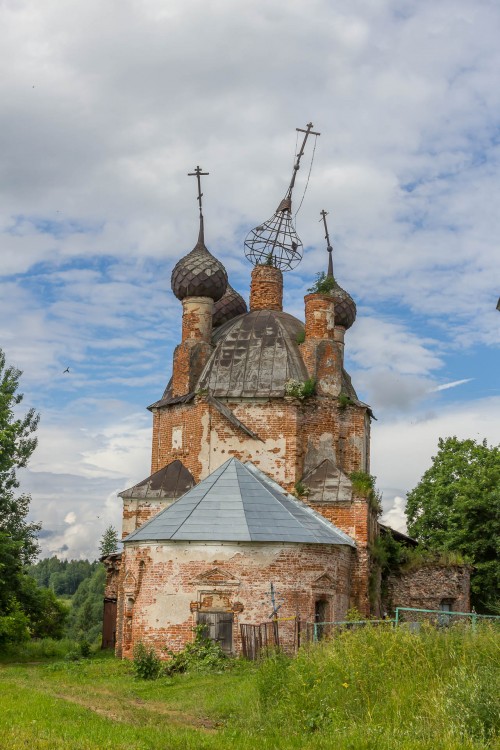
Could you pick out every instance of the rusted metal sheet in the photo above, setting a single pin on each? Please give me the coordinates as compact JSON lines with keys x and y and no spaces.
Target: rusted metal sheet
{"x":255,"y":356}
{"x":170,"y":483}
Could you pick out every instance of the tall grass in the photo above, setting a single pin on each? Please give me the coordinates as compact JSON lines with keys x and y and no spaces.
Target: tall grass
{"x":370,"y":689}
{"x":378,"y":688}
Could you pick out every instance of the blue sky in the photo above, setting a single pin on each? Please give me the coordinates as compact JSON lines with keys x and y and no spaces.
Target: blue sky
{"x":106,"y":107}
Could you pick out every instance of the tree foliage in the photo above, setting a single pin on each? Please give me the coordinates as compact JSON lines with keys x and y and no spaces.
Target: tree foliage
{"x":62,"y":576}
{"x":25,"y":609}
{"x":456,"y":507}
{"x":85,"y":616}
{"x":109,"y":542}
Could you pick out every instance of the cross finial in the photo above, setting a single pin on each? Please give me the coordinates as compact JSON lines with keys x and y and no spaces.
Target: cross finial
{"x":329,"y":248}
{"x":309,"y":131}
{"x":198,"y":174}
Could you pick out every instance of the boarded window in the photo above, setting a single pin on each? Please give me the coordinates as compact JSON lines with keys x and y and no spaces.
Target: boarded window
{"x":219,"y":628}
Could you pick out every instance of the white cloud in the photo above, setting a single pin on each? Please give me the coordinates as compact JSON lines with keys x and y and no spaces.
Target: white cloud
{"x":106,"y":107}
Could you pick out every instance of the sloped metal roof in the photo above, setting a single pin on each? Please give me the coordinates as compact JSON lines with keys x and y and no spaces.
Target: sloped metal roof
{"x":255,"y":355}
{"x":170,"y":482}
{"x":238,"y":503}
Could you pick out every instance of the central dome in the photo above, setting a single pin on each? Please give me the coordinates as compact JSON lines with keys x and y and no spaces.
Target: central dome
{"x":255,"y":355}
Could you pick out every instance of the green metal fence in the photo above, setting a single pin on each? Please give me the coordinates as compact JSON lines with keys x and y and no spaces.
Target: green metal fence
{"x":413,"y":617}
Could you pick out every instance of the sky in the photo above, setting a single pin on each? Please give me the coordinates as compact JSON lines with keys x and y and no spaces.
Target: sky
{"x":106,"y":105}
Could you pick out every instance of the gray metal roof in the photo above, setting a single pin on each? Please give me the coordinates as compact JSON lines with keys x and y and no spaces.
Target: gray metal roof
{"x":239,"y":503}
{"x":255,"y":355}
{"x":170,"y":482}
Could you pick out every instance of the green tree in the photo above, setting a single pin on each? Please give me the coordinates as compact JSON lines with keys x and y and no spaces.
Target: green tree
{"x":17,"y":443}
{"x":109,"y":541}
{"x":85,"y":617}
{"x":456,"y":507}
{"x":25,"y":609}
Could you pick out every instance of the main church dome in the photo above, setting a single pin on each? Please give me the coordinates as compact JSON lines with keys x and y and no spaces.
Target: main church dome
{"x":255,"y":355}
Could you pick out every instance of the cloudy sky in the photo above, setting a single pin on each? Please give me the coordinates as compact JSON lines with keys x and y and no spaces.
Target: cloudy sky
{"x":105,"y":105}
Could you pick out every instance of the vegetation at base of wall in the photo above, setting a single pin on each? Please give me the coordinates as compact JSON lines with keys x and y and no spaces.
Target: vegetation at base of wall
{"x":299,"y":389}
{"x":323,"y":284}
{"x":202,"y":655}
{"x":456,"y":508}
{"x":368,"y":689}
{"x":363,"y":485}
{"x":146,"y":663}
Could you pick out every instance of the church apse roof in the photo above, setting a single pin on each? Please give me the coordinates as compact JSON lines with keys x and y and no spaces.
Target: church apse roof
{"x":239,"y":503}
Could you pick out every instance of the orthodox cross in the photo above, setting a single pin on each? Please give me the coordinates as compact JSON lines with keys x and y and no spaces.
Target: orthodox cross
{"x":198,"y":174}
{"x":324,"y":214}
{"x":309,"y":131}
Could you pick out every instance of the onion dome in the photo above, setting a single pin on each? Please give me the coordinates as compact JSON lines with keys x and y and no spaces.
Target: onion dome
{"x":345,"y":307}
{"x":199,"y":274}
{"x":228,"y":307}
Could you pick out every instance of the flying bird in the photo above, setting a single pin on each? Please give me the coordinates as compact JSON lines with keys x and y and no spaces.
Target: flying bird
{"x":66,"y":370}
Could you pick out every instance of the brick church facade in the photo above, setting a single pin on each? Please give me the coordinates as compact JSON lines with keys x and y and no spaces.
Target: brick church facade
{"x":255,"y":442}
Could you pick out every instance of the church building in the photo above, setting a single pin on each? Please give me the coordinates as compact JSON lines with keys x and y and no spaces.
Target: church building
{"x":260,"y":464}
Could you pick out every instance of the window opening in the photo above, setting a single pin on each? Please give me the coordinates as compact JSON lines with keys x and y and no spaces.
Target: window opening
{"x":219,"y":628}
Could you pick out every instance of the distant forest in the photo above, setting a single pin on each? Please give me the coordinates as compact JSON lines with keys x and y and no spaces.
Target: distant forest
{"x":80,"y":584}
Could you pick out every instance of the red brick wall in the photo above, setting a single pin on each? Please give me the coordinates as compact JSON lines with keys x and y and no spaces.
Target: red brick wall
{"x":167,"y":584}
{"x":266,"y":289}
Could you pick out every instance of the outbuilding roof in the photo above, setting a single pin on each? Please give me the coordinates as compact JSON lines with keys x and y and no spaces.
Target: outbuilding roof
{"x":237,"y":502}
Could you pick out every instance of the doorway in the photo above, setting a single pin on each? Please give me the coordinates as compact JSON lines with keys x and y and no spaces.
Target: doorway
{"x":320,"y":617}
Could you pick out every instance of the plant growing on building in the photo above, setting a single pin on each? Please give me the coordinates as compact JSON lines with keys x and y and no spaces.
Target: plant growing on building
{"x":300,"y":490}
{"x":363,"y":485}
{"x":323,"y":284}
{"x":300,"y":390}
{"x":344,"y":401}
{"x":300,"y":337}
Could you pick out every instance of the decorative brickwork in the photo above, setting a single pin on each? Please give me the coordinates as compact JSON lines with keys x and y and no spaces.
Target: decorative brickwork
{"x":266,"y":291}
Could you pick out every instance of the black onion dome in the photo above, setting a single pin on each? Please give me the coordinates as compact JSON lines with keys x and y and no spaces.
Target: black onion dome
{"x":199,"y":274}
{"x":345,"y":307}
{"x":228,"y":307}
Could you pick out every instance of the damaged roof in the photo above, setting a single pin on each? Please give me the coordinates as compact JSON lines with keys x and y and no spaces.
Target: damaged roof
{"x":237,"y":502}
{"x":255,"y":355}
{"x":168,"y":483}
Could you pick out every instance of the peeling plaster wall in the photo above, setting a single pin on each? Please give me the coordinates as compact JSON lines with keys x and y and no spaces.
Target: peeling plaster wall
{"x":168,"y":583}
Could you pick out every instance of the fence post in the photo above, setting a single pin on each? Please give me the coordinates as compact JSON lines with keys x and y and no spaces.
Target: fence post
{"x":396,"y":622}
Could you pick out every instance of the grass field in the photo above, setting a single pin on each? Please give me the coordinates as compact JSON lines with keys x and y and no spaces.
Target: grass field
{"x":368,"y":690}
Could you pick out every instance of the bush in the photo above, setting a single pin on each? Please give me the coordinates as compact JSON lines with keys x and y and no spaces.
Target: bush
{"x":301,"y":390}
{"x":323,"y":284}
{"x":203,"y":655}
{"x":146,"y":663}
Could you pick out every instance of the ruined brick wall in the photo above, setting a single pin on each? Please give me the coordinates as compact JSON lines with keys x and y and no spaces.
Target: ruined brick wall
{"x":266,"y":289}
{"x":163,"y":586}
{"x":294,"y":436}
{"x":427,"y":586}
